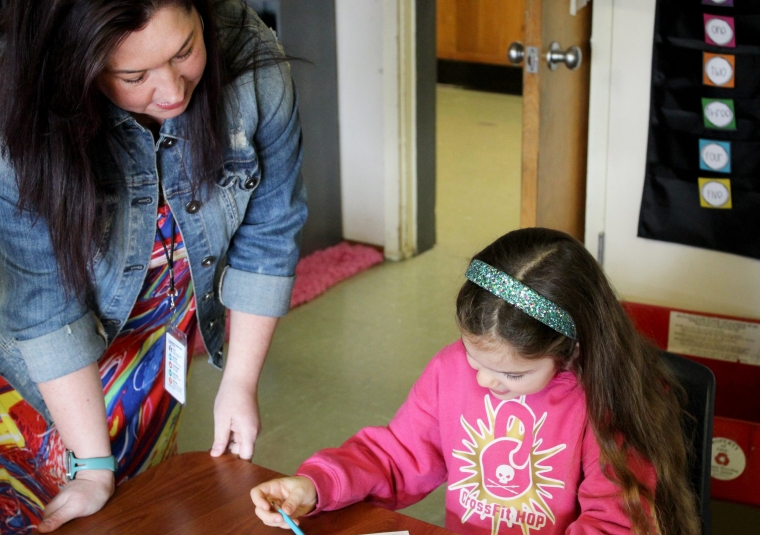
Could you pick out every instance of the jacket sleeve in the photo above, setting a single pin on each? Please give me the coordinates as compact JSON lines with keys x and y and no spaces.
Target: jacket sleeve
{"x":601,"y":502}
{"x":53,"y":332}
{"x":394,"y":466}
{"x":264,"y":251}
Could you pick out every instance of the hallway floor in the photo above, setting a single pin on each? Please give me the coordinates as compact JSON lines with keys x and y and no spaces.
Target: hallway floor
{"x":347,"y":359}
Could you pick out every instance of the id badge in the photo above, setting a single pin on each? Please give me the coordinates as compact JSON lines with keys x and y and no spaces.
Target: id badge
{"x":175,"y":362}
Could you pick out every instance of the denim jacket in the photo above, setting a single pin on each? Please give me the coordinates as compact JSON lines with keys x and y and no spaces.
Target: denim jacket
{"x":242,"y":238}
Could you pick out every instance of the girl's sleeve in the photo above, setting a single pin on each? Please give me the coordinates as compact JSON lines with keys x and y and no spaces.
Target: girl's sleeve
{"x":601,"y":500}
{"x":264,"y":251}
{"x":394,"y":466}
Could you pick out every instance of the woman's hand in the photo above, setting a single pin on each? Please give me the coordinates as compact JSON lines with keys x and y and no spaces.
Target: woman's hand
{"x":236,"y":409}
{"x":296,"y":496}
{"x":79,"y":412}
{"x":83,"y":496}
{"x":236,"y":420}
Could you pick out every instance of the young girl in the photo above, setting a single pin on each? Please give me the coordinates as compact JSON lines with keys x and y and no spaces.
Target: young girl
{"x":550,"y":415}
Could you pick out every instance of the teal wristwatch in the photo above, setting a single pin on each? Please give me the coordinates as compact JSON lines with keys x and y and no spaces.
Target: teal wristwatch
{"x":74,"y":465}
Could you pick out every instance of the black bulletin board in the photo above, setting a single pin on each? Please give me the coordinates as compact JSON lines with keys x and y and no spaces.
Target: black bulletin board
{"x":702,"y":183}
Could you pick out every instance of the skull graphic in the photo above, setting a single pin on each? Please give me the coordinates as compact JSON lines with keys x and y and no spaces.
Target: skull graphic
{"x":505,"y":473}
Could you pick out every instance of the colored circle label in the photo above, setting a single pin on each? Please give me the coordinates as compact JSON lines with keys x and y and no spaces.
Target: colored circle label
{"x":715,"y":194}
{"x":719,"y":31}
{"x":719,"y":114}
{"x":719,"y":70}
{"x":714,"y":156}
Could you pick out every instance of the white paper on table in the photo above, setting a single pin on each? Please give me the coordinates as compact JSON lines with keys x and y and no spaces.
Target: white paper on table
{"x":390,"y":533}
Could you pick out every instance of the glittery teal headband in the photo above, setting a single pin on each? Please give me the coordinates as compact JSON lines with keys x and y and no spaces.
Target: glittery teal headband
{"x":523,"y":297}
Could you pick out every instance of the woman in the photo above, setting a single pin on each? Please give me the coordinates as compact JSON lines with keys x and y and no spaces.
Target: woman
{"x":149,"y":179}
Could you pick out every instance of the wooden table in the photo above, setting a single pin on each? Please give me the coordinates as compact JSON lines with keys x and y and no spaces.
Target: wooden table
{"x":194,"y":493}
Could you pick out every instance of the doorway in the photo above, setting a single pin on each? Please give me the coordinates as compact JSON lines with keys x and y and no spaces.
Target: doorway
{"x":556,"y":37}
{"x":479,"y":122}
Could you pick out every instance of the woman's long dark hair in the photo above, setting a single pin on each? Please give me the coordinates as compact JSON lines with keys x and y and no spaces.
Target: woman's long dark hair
{"x":52,"y":114}
{"x":633,"y":401}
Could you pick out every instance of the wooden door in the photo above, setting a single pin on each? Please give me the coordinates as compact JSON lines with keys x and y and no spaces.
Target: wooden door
{"x":555,"y":120}
{"x":479,"y":31}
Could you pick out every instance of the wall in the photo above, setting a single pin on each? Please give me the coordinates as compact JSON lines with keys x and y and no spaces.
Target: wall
{"x":307,"y":30}
{"x":368,"y":114}
{"x":343,"y":109}
{"x":642,"y":270}
{"x":362,"y":118}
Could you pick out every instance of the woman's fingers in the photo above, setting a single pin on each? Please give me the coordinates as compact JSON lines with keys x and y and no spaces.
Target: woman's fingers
{"x":236,"y":421}
{"x":81,"y":497}
{"x":221,"y":437}
{"x":55,"y":515}
{"x":245,"y":446}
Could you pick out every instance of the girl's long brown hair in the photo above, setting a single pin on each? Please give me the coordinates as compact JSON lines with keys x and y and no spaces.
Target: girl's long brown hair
{"x":633,"y":402}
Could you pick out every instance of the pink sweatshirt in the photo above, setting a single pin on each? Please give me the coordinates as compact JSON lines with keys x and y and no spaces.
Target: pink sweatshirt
{"x":527,"y":465}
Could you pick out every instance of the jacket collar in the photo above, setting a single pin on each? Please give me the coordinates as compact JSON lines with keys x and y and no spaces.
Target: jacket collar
{"x":116,"y":116}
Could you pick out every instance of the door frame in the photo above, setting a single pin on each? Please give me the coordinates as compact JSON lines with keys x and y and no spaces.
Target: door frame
{"x":598,"y":127}
{"x":400,"y":133}
{"x":409,"y":51}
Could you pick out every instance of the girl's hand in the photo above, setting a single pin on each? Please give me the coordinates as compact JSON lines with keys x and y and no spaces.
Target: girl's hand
{"x":236,"y":420}
{"x":83,"y":496}
{"x":296,"y":496}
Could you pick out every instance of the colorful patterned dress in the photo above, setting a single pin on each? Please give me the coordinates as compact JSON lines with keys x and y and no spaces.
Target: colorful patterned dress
{"x":142,"y":416}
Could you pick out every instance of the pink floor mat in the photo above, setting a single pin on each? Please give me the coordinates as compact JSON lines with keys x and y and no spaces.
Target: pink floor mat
{"x":321,"y":270}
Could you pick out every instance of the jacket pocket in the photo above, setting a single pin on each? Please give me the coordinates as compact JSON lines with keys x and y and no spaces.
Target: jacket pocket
{"x":236,"y":182}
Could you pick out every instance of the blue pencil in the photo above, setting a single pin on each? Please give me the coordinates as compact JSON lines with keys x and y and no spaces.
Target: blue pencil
{"x":289,"y":522}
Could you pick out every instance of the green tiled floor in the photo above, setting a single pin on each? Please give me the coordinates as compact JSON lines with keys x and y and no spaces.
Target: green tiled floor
{"x":347,"y":359}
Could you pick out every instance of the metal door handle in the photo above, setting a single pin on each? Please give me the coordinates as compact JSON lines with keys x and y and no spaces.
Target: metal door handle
{"x":516,"y":53}
{"x":572,"y":57}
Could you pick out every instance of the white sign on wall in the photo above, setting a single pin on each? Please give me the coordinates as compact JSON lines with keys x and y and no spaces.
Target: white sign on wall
{"x":714,"y":338}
